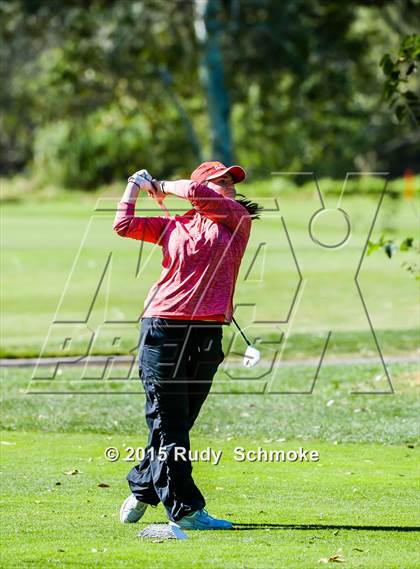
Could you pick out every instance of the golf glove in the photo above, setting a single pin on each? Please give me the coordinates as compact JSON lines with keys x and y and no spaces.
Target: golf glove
{"x":145,"y":174}
{"x":157,"y":184}
{"x":143,"y":179}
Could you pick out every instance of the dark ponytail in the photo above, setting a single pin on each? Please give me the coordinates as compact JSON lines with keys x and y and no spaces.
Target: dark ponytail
{"x":254,"y":209}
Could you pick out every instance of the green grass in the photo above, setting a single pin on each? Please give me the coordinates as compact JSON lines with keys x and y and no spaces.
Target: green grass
{"x":54,"y":423}
{"x":365,"y":482}
{"x":331,"y":413}
{"x":41,"y":242}
{"x":55,"y":519}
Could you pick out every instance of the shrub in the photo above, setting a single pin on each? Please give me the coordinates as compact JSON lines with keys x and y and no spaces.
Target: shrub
{"x":107,"y":145}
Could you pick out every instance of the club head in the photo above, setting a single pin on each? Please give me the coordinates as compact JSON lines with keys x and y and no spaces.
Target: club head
{"x":252,"y":357}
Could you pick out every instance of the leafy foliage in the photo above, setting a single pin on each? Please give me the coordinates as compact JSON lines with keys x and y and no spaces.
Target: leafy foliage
{"x":120,"y":83}
{"x":402,"y":86}
{"x":391,"y":247}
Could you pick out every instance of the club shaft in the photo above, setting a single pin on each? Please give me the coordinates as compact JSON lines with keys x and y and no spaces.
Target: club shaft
{"x":243,"y":335}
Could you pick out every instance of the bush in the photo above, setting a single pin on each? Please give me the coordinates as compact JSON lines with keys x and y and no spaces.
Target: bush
{"x":107,"y":145}
{"x":84,"y":153}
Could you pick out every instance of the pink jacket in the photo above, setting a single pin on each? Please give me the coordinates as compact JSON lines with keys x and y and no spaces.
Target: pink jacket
{"x":202,"y":253}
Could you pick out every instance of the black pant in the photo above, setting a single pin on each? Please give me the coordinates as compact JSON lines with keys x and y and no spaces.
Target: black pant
{"x":177,"y":362}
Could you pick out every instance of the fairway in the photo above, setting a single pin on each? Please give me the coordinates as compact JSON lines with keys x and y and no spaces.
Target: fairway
{"x":359,"y":501}
{"x":56,"y":514}
{"x":54,"y":275}
{"x":357,"y":504}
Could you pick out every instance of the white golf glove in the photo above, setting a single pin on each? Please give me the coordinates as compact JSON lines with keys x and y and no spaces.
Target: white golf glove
{"x":145,"y":174}
{"x":143,"y":179}
{"x":157,"y":185}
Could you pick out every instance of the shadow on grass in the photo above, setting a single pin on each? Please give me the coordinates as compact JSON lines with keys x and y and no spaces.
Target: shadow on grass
{"x":324,"y":527}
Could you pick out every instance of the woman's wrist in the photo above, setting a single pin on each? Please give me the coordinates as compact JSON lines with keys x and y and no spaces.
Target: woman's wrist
{"x":131,"y":192}
{"x":132,"y":180}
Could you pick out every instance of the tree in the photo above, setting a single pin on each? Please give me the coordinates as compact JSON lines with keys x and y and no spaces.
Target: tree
{"x":96,"y":88}
{"x":208,"y":29}
{"x":401,"y":72}
{"x":402,"y":83}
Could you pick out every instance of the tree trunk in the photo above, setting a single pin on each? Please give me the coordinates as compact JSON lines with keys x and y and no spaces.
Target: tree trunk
{"x":207,"y":29}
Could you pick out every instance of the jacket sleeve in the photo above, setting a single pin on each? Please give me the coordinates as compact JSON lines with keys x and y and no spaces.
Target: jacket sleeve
{"x":149,"y":229}
{"x":212,"y":205}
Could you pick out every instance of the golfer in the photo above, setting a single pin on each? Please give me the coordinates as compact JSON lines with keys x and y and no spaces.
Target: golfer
{"x":180,"y":345}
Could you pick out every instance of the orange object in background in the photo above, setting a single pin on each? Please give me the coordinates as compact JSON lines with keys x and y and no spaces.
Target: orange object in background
{"x":408,"y":184}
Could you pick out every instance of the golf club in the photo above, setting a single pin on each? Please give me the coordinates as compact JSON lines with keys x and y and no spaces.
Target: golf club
{"x":252,"y":355}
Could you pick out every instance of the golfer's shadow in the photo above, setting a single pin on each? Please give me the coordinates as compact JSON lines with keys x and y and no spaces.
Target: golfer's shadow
{"x":311,"y":527}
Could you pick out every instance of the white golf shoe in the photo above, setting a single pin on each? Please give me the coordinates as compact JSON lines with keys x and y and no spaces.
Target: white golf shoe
{"x":132,"y":510}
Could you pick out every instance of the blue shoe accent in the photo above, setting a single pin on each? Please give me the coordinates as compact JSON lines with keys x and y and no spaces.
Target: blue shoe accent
{"x":200,"y":519}
{"x":132,"y":510}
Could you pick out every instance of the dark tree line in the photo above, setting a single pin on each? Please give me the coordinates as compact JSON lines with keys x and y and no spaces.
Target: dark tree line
{"x":90,"y":90}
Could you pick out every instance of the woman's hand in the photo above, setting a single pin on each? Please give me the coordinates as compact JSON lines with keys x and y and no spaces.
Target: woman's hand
{"x":145,"y":181}
{"x":142,"y":179}
{"x":157,"y":192}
